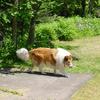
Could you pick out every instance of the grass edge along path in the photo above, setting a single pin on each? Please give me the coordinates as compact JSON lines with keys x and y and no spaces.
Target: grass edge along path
{"x":90,"y":91}
{"x":89,"y":62}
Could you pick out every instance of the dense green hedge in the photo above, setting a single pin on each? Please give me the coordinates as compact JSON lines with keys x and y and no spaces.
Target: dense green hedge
{"x":68,"y":28}
{"x":45,"y":33}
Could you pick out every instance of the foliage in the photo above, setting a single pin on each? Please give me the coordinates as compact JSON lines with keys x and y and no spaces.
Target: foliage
{"x":7,"y":53}
{"x":58,"y":29}
{"x":31,"y":23}
{"x":68,"y":29}
{"x":45,"y":33}
{"x":87,"y":26}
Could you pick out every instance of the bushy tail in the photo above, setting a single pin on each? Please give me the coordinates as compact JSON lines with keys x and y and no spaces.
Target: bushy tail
{"x":23,"y":54}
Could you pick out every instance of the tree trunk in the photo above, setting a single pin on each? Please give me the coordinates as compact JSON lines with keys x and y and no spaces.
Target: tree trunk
{"x":83,"y":3}
{"x":1,"y":39}
{"x":14,"y":31}
{"x":64,"y":10}
{"x":90,"y":7}
{"x":14,"y":26}
{"x":31,"y":36}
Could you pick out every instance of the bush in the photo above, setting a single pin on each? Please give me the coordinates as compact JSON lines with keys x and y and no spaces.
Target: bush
{"x":58,"y":29}
{"x":87,"y":27}
{"x":45,"y":33}
{"x":68,"y":28}
{"x":7,"y":53}
{"x":8,"y":56}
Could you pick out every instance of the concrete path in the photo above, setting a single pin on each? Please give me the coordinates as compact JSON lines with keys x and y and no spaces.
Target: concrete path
{"x":40,"y":87}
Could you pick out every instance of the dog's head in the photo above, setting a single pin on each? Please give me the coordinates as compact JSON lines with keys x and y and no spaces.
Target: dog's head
{"x":22,"y":54}
{"x":68,"y":61}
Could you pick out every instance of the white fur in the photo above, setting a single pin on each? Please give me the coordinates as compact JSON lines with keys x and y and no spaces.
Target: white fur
{"x":61,"y":53}
{"x":22,"y":54}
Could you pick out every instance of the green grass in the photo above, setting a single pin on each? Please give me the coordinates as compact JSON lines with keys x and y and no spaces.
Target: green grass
{"x":90,"y":91}
{"x":88,"y":51}
{"x":7,"y":90}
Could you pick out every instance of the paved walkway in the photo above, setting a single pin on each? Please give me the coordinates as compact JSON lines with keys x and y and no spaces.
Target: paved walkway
{"x":40,"y":87}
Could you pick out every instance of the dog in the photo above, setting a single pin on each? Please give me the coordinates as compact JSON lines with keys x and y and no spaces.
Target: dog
{"x":58,"y":58}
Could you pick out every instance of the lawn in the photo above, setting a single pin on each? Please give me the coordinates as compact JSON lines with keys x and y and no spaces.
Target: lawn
{"x":88,"y":52}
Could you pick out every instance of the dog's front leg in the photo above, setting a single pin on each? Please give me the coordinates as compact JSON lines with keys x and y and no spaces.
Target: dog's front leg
{"x":55,"y":69}
{"x":61,"y":68}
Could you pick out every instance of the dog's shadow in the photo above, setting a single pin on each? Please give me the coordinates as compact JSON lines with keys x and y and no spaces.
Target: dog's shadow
{"x":46,"y":74}
{"x":8,"y":71}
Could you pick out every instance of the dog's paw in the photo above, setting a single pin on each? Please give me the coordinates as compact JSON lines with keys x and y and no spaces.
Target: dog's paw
{"x":43,"y":73}
{"x":66,"y":75}
{"x":29,"y":71}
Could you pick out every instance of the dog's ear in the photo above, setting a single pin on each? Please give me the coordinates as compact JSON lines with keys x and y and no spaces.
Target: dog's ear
{"x":68,"y":58}
{"x":65,"y":58}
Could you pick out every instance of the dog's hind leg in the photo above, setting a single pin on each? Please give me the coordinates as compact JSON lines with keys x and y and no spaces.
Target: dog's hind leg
{"x":41,"y":68}
{"x":30,"y":68}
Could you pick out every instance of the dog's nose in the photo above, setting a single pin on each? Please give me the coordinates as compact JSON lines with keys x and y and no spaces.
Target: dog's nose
{"x":71,"y":65}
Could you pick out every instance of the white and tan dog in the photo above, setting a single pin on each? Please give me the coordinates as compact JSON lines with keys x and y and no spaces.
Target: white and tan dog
{"x":57,"y":58}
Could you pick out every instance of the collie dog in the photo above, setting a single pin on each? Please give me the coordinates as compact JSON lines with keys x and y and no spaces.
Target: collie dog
{"x":57,"y":58}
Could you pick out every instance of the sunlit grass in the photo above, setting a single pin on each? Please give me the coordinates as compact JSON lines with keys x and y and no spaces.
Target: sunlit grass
{"x":8,"y":90}
{"x":88,"y":52}
{"x":90,"y":91}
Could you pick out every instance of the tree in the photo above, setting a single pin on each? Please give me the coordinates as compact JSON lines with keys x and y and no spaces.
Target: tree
{"x":90,"y":7}
{"x":83,"y":3}
{"x":14,"y":24}
{"x":35,"y":9}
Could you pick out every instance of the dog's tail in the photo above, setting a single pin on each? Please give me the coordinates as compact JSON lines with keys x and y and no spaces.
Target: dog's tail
{"x":23,"y":54}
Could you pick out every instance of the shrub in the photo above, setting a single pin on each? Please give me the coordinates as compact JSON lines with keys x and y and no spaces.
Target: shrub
{"x":66,"y":29}
{"x":45,"y":33}
{"x":8,"y":56}
{"x":87,"y":27}
{"x":7,"y":53}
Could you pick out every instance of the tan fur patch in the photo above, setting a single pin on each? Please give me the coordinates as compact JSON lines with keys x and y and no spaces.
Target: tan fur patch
{"x":43,"y":55}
